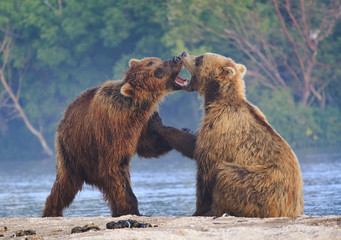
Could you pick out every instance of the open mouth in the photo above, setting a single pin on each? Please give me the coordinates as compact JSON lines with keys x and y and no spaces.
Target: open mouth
{"x":181,"y":81}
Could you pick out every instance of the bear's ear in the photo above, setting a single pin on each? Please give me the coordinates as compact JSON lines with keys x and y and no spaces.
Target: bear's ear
{"x":132,"y":62}
{"x":127,"y":90}
{"x":229,"y":71}
{"x":242,"y":69}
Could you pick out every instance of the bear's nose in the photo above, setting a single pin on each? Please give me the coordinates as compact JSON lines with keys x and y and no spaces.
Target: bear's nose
{"x":176,"y":59}
{"x":184,"y":54}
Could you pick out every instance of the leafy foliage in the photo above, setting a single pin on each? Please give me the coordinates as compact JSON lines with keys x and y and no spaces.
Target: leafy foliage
{"x":297,"y":124}
{"x":60,"y":48}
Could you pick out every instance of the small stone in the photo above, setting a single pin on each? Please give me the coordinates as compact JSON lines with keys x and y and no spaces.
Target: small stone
{"x":85,"y":228}
{"x":76,"y":230}
{"x":204,"y":229}
{"x":127,"y":224}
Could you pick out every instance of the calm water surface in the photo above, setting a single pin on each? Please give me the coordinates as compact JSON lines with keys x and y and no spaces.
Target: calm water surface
{"x":164,"y":186}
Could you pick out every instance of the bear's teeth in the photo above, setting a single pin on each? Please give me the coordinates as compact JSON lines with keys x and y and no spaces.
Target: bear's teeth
{"x":186,"y":82}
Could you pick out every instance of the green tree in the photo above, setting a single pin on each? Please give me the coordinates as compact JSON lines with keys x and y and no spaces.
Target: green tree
{"x":289,"y":48}
{"x":329,"y":69}
{"x":278,"y":41}
{"x":64,"y":47}
{"x":59,"y":48}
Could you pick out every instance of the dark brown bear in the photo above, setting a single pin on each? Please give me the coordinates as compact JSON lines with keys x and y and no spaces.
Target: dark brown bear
{"x":104,"y":127}
{"x":245,"y":168}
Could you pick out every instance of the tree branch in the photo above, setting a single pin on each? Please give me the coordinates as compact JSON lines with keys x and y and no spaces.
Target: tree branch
{"x":288,"y":8}
{"x":306,"y":28}
{"x":35,"y":132}
{"x":288,"y":35}
{"x":5,"y":50}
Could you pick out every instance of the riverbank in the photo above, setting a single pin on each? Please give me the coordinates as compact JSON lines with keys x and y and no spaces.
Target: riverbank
{"x":304,"y":227}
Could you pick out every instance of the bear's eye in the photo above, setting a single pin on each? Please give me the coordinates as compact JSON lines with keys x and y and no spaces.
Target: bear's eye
{"x":149,"y":64}
{"x":158,"y":73}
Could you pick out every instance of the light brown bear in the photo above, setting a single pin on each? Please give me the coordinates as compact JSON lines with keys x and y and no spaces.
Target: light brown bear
{"x":105,"y":126}
{"x":244,"y":167}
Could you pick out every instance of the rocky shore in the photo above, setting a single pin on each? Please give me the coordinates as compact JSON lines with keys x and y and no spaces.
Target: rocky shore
{"x":303,"y":227}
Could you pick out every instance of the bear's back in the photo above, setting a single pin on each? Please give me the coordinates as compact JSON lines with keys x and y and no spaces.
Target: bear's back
{"x":240,"y":135}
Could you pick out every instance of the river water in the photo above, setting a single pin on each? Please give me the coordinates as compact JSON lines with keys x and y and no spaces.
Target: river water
{"x":163,"y":187}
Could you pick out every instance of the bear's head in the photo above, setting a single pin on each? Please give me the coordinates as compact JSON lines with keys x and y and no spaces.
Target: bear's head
{"x":211,"y":72}
{"x":150,"y":78}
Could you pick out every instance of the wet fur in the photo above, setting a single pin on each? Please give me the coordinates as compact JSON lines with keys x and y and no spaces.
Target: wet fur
{"x":100,"y":132}
{"x":244,"y":167}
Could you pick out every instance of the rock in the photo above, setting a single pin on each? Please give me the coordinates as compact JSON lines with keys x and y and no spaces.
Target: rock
{"x":127,"y":224}
{"x":85,"y":228}
{"x":21,"y":233}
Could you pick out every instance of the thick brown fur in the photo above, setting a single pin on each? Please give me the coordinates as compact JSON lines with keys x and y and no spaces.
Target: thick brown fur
{"x":244,"y":167}
{"x":103,"y":128}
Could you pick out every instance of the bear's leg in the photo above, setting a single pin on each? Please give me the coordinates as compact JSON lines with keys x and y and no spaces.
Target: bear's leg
{"x":204,"y":196}
{"x":157,"y":140}
{"x":151,"y":144}
{"x":181,"y":140}
{"x":256,"y":191}
{"x":62,"y":194}
{"x":118,"y":192}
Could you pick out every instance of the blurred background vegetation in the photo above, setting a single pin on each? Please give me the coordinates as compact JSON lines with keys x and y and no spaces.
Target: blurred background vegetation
{"x":52,"y":50}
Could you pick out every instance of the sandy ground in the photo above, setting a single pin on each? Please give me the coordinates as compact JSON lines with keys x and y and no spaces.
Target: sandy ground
{"x":304,"y":227}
